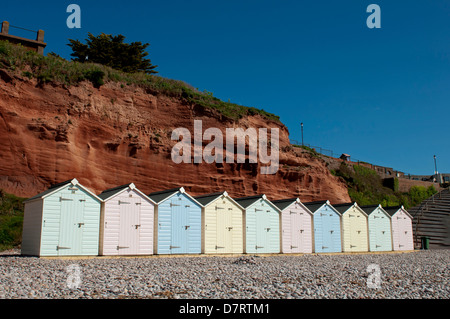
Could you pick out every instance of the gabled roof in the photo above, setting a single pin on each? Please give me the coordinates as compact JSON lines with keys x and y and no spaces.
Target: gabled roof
{"x":110,"y":193}
{"x":207,"y":199}
{"x":284,"y":203}
{"x":313,"y":206}
{"x":342,"y":208}
{"x":370,"y":208}
{"x":162,"y":195}
{"x":247,"y":201}
{"x":56,"y":187}
{"x":394,"y":209}
{"x":113,"y":191}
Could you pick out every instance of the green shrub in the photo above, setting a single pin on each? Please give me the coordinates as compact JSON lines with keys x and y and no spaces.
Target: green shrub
{"x":11,"y":220}
{"x":96,"y":77}
{"x":366,"y":187}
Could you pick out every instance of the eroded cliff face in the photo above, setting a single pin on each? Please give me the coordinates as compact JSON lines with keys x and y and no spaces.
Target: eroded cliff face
{"x":117,"y":135}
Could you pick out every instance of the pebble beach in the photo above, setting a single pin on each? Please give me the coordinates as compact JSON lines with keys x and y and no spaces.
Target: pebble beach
{"x":412,"y":275}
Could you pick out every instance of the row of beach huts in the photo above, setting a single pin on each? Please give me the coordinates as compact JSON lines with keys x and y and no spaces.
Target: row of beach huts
{"x":70,"y":220}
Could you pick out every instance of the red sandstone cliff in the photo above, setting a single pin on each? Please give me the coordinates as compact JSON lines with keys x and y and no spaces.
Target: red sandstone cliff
{"x":112,"y":136}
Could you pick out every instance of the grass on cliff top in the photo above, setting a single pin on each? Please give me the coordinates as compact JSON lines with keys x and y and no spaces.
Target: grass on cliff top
{"x":365,"y":187}
{"x":52,"y":68}
{"x":11,"y":220}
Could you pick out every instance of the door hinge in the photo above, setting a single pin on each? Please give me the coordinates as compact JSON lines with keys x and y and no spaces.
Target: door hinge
{"x":119,"y":247}
{"x":61,"y":248}
{"x":173,"y":247}
{"x":257,"y":247}
{"x":120,"y":202}
{"x":218,"y":247}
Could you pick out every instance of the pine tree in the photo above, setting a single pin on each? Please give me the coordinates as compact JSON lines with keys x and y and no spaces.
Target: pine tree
{"x":111,"y":51}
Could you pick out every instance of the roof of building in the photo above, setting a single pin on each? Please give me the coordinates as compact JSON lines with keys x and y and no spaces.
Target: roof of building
{"x":56,"y":187}
{"x":247,"y":201}
{"x":208,"y":198}
{"x":51,"y":189}
{"x":284,"y":203}
{"x":369,"y":208}
{"x":342,"y":208}
{"x":113,"y":191}
{"x":162,"y":195}
{"x":392,"y":210}
{"x":313,"y":206}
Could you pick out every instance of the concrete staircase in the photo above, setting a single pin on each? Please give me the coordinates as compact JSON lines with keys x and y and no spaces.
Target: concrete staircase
{"x":432,"y":219}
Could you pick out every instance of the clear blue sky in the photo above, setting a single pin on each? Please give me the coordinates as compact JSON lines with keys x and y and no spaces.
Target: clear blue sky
{"x":380,"y":95}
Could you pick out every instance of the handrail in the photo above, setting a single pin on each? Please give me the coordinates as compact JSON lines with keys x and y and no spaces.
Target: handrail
{"x":421,"y":210}
{"x":11,"y":26}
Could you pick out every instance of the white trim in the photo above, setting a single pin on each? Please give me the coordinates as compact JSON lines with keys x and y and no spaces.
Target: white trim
{"x":264,"y":197}
{"x":404,"y":210}
{"x":74,"y":182}
{"x":329,"y":204}
{"x":359,"y":208}
{"x":133,"y":188}
{"x":182,"y":191}
{"x":306,"y":208}
{"x":382,"y":210}
{"x":225,"y":194}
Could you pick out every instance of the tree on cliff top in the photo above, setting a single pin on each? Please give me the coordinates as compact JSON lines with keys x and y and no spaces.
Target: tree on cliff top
{"x":111,"y":51}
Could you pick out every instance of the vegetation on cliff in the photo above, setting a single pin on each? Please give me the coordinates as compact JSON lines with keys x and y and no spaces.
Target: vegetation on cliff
{"x":11,"y":220}
{"x":54,"y":69}
{"x":365,"y":187}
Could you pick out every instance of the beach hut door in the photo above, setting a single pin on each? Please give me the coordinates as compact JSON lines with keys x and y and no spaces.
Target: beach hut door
{"x":296,"y":232}
{"x":71,"y":224}
{"x":180,"y":225}
{"x":130,"y":211}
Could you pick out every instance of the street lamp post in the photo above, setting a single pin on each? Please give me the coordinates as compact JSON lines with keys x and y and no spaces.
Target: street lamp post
{"x":302,"y":136}
{"x":436,"y":174}
{"x":435,"y":166}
